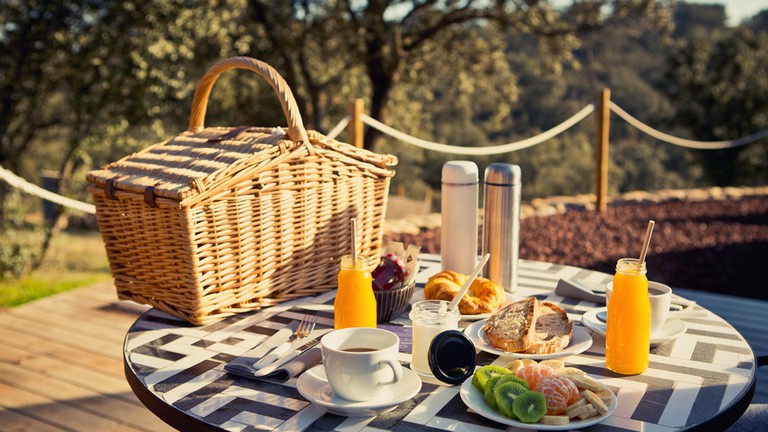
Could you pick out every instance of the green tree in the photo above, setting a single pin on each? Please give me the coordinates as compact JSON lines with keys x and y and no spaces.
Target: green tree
{"x":387,"y":38}
{"x":77,"y":73}
{"x":720,"y":91}
{"x":695,"y":19}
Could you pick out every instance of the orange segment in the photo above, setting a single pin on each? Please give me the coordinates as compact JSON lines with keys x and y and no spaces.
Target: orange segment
{"x":532,"y":373}
{"x":559,"y":391}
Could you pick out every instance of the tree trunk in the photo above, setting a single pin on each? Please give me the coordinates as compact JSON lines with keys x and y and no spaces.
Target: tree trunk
{"x":379,"y":111}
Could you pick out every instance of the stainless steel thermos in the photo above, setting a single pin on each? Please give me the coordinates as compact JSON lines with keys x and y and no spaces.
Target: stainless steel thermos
{"x":501,"y":223}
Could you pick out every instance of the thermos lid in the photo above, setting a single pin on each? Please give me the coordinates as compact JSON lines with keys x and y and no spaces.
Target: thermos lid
{"x":452,"y":357}
{"x":502,"y":174}
{"x":460,"y":172}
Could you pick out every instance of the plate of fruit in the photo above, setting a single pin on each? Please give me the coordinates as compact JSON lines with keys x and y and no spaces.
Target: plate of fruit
{"x":541,"y":396}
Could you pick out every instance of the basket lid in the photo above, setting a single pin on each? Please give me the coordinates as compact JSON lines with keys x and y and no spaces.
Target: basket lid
{"x":201,"y":158}
{"x":191,"y":163}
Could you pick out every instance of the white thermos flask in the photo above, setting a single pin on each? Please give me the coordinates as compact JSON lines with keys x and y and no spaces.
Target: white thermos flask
{"x":458,"y":232}
{"x":501,"y":223}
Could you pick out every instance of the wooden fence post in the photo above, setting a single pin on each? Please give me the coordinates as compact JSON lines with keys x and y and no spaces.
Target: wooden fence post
{"x":603,"y":128}
{"x":355,"y":127}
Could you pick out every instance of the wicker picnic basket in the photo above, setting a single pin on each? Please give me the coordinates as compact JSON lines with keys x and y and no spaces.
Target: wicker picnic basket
{"x":222,"y":220}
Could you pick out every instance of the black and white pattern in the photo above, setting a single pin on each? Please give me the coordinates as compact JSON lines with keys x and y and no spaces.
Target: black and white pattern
{"x":689,"y":380}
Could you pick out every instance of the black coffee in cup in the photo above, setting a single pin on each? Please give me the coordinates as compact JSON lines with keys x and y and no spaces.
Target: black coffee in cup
{"x":359,"y":350}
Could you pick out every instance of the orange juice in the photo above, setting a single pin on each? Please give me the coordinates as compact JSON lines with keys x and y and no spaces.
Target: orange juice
{"x":628,"y":332}
{"x":355,"y":304}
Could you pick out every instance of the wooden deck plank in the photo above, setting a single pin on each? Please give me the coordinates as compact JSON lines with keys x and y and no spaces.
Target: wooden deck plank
{"x":121,"y":407}
{"x":62,"y":353}
{"x":15,"y":422}
{"x":59,"y":413}
{"x":93,"y":381}
{"x":72,"y":320}
{"x":108,"y":315}
{"x":109,"y":347}
{"x":61,"y":365}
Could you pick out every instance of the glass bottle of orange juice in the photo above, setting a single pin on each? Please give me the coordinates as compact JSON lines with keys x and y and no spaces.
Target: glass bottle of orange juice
{"x":355,"y":304}
{"x":628,"y":332}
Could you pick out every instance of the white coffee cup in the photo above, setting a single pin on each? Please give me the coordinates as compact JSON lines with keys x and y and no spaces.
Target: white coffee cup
{"x":660,"y":296}
{"x":361,"y":362}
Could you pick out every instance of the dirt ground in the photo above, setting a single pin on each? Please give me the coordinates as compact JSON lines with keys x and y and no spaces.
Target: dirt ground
{"x":713,"y":245}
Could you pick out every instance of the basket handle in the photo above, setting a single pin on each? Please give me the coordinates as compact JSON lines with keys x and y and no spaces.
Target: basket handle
{"x":296,"y":131}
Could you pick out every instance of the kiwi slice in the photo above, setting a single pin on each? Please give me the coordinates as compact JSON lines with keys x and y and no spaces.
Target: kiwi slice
{"x":511,"y":377}
{"x":490,"y":398}
{"x":506,"y":394}
{"x":484,"y":373}
{"x":530,"y":407}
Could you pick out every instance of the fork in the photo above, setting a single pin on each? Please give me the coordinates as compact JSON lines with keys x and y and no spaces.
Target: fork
{"x":303,"y":330}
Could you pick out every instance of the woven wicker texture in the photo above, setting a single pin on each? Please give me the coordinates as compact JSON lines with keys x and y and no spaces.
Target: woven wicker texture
{"x":222,"y":220}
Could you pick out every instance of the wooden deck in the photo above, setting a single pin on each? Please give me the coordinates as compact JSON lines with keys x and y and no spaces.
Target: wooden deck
{"x":61,"y":360}
{"x":61,"y":366}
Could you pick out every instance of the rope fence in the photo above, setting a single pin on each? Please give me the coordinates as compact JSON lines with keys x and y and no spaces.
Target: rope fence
{"x":481,"y":151}
{"x":682,"y":142}
{"x":353,"y":123}
{"x":547,"y":135}
{"x":33,"y":189}
{"x":338,"y":128}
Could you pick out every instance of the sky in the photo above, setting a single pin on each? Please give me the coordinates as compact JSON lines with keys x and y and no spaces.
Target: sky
{"x":737,"y":10}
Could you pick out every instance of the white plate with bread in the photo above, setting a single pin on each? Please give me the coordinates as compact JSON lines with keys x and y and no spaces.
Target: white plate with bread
{"x":529,"y":329}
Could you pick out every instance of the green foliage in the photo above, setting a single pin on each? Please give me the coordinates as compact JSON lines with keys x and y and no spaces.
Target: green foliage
{"x":720,"y":90}
{"x":14,"y":257}
{"x":29,"y":288}
{"x":560,"y":166}
{"x":17,"y":240}
{"x":75,"y":259}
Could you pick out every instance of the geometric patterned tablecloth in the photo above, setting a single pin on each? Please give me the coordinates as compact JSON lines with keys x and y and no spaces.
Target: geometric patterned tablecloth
{"x":689,"y":381}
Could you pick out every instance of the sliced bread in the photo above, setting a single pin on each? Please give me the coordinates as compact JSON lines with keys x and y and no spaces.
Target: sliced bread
{"x":553,"y":330}
{"x":511,"y":328}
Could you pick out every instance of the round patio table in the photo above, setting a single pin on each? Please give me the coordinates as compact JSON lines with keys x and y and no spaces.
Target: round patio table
{"x":702,"y":380}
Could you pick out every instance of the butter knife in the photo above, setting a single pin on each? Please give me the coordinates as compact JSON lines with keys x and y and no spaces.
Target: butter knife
{"x":271,"y":342}
{"x":266,"y":370}
{"x":298,"y":347}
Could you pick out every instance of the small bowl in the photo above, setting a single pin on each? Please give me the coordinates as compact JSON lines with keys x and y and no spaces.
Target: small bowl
{"x":391,"y":303}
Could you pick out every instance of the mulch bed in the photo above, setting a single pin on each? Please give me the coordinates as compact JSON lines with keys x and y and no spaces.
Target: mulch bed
{"x":717,"y":245}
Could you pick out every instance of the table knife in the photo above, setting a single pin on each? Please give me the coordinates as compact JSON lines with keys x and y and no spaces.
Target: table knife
{"x":266,"y":370}
{"x":298,"y":347}
{"x":271,"y":342}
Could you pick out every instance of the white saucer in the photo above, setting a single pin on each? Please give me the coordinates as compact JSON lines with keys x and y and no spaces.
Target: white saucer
{"x":314,"y":386}
{"x":580,"y":342}
{"x":671,"y":330}
{"x":475,"y":400}
{"x":419,"y":296}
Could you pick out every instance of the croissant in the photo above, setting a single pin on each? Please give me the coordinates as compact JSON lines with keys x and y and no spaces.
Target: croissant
{"x":483,"y":296}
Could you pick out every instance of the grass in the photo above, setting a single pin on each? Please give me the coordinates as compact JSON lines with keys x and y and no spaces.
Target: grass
{"x":75,"y":259}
